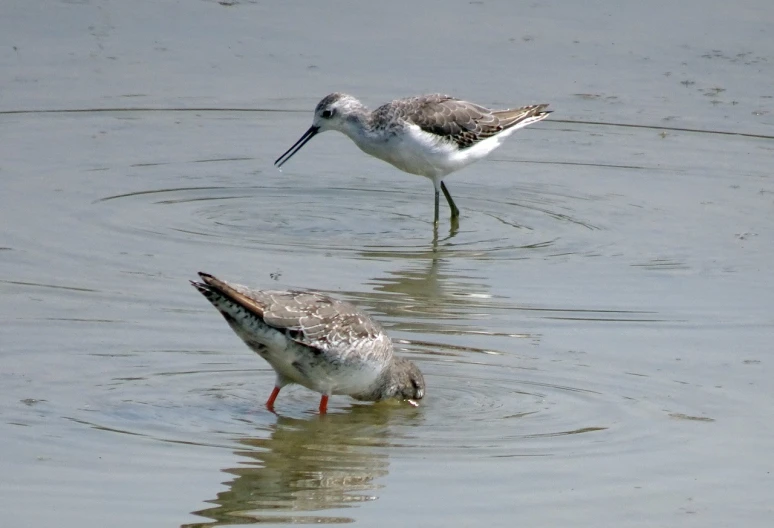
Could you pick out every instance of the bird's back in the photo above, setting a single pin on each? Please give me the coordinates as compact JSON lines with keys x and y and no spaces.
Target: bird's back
{"x":460,"y":122}
{"x":307,"y":337}
{"x":316,"y":320}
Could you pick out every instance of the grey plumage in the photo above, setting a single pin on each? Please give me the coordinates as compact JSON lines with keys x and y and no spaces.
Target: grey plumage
{"x":324,"y":344}
{"x":429,"y":135}
{"x":459,"y":121}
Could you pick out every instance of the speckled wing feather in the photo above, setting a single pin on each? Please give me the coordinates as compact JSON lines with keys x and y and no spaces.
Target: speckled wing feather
{"x":319,"y":321}
{"x":459,"y":121}
{"x":309,"y":318}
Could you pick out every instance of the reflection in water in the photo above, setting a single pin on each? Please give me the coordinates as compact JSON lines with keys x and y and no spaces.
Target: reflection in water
{"x":427,"y":295}
{"x":430,"y":294}
{"x":308,"y":465}
{"x":426,"y":281}
{"x":454,"y":228}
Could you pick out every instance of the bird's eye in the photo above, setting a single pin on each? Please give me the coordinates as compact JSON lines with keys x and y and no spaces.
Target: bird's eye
{"x":327,"y":114}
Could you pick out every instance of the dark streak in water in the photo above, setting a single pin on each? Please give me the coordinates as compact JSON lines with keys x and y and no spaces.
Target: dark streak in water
{"x":600,"y":165}
{"x":31,"y":401}
{"x":147,"y":110}
{"x":455,"y":348}
{"x":656,"y":127}
{"x":512,"y":224}
{"x":681,"y":416}
{"x":213,"y":160}
{"x":206,"y":199}
{"x":524,"y":455}
{"x":611,"y":320}
{"x":81,"y":320}
{"x":156,"y":191}
{"x":565,"y":433}
{"x":71,"y":288}
{"x":133,"y":433}
{"x":289,"y":111}
{"x":102,"y":427}
{"x":580,"y":310}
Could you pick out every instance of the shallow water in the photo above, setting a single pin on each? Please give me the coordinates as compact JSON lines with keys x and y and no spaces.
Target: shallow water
{"x":595,"y":335}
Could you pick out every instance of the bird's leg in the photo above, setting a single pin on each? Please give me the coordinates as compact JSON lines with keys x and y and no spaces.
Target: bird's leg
{"x":324,"y":404}
{"x":455,"y":213}
{"x":270,"y":401}
{"x":435,"y":219}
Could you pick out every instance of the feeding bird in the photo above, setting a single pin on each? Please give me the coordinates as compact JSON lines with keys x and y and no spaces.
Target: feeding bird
{"x":430,"y":135}
{"x":326,"y":345}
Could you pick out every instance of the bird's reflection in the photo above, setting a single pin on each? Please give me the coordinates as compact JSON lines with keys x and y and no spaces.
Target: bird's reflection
{"x":309,"y":465}
{"x":454,"y":228}
{"x":432,"y":288}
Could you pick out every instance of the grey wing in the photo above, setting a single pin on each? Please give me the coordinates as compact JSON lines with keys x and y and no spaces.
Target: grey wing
{"x":461,"y":122}
{"x":323,"y":323}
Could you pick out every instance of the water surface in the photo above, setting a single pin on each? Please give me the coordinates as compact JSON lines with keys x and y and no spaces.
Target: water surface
{"x":595,"y":334}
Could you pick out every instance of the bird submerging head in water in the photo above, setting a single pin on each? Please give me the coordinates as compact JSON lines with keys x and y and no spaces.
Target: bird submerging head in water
{"x":326,"y":345}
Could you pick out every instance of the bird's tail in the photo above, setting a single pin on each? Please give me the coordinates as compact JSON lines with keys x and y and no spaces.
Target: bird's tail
{"x":233,"y":304}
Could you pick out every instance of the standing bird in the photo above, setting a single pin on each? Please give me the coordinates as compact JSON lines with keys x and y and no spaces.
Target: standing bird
{"x":430,"y":135}
{"x":326,"y":345}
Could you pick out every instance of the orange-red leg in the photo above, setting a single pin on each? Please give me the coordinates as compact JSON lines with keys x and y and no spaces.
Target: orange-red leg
{"x":324,"y":404}
{"x":270,"y":401}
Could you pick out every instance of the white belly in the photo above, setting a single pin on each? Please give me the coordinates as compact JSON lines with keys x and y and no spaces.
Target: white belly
{"x":422,"y":153}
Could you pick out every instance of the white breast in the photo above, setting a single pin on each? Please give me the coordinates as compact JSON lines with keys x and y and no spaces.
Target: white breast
{"x":418,"y":152}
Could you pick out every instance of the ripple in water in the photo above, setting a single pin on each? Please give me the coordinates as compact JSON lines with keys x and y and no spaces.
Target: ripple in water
{"x":334,"y":220}
{"x":292,"y":467}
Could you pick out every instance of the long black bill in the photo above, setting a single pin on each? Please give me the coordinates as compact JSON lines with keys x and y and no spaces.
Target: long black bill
{"x":309,"y":134}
